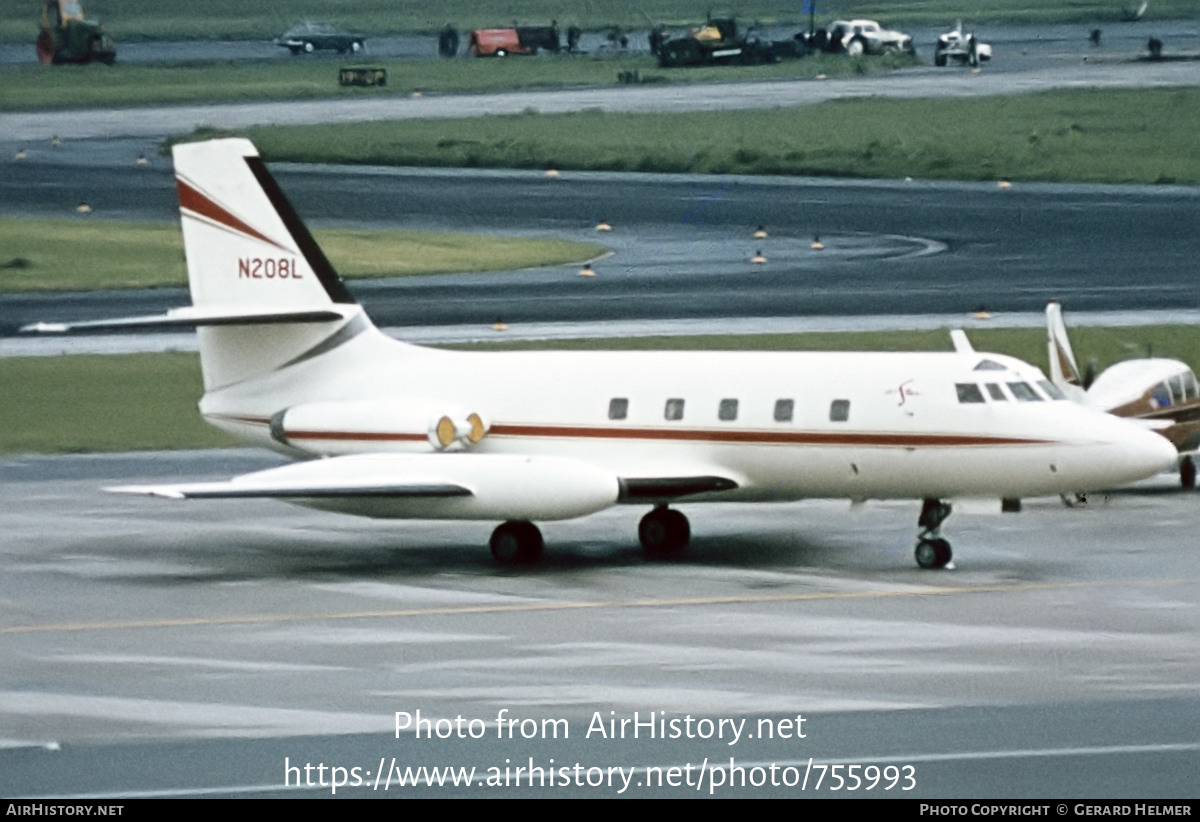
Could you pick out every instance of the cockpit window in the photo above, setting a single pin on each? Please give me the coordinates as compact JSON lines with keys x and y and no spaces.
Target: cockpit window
{"x":968,"y":392}
{"x":1190,"y":389}
{"x":996,"y":392}
{"x":1052,"y":390}
{"x":990,"y":365}
{"x":1177,"y":388}
{"x":1161,"y":396}
{"x":1024,"y":392}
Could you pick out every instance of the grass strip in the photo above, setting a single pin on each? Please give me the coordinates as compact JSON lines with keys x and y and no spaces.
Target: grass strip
{"x":1114,"y":136}
{"x":35,"y":87}
{"x":85,"y":403}
{"x":84,"y":253}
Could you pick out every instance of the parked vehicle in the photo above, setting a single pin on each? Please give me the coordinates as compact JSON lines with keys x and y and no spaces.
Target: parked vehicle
{"x":517,"y":40}
{"x":310,"y":37}
{"x":965,"y":49}
{"x":66,"y":37}
{"x":717,"y":41}
{"x":859,"y":37}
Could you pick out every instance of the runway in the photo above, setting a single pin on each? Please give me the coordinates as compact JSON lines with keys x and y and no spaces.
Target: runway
{"x":682,"y":244}
{"x":137,"y":628}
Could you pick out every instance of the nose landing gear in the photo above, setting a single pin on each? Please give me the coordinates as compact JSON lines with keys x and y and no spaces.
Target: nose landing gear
{"x":932,"y":550}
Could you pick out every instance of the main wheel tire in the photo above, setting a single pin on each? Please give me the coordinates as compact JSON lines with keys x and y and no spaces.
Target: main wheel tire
{"x":856,"y":47}
{"x":1187,"y":473}
{"x":664,"y":531}
{"x":309,"y":48}
{"x":933,"y":553}
{"x":356,"y":47}
{"x":517,"y":543}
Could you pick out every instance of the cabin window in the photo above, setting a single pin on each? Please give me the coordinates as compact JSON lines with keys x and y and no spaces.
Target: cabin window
{"x":990,"y":365}
{"x":1024,"y":392}
{"x":996,"y":392}
{"x":618,"y":408}
{"x":727,"y":410}
{"x":1052,"y":390}
{"x":784,"y":409}
{"x":674,"y":409}
{"x":839,"y":410}
{"x":968,"y":392}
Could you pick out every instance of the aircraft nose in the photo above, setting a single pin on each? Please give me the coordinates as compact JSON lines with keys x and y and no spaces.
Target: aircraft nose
{"x":1147,"y":453}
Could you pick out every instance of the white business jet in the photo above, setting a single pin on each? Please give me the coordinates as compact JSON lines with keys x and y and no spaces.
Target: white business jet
{"x":388,"y":429}
{"x":1161,"y":393}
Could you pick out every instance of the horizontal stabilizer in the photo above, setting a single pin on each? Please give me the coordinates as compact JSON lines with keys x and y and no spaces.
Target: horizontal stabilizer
{"x":194,"y":318}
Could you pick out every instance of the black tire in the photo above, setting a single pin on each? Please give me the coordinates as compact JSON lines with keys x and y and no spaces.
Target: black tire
{"x":679,"y":53}
{"x":664,"y":531}
{"x":1187,"y":473}
{"x":939,"y":60}
{"x":933,"y":553}
{"x":517,"y":543}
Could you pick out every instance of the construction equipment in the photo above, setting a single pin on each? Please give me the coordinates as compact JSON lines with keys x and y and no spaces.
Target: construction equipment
{"x":66,"y":37}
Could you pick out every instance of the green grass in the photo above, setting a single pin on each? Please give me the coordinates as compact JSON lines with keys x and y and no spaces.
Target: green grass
{"x":103,"y":403}
{"x":1119,"y":136}
{"x":148,"y":401}
{"x":216,"y":19}
{"x":86,"y":253}
{"x":35,"y":87}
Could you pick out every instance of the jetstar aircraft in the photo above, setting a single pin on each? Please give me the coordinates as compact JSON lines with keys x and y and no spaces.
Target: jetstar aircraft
{"x":1161,"y":393}
{"x":388,"y":429}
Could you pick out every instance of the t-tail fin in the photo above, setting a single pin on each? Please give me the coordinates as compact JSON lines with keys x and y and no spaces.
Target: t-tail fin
{"x":1063,"y":370}
{"x":248,"y":253}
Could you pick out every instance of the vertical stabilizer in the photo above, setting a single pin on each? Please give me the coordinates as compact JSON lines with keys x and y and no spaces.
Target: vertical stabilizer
{"x":1063,"y":370}
{"x":248,"y":250}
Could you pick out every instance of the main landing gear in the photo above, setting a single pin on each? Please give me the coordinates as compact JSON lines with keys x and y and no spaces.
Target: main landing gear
{"x":517,"y":543}
{"x":664,"y":531}
{"x":932,"y":551}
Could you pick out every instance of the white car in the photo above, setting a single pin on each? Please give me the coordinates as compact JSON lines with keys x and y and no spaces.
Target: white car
{"x":857,"y":37}
{"x":963,"y":48}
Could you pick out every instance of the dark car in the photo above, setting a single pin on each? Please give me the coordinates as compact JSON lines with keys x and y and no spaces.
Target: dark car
{"x":310,"y":37}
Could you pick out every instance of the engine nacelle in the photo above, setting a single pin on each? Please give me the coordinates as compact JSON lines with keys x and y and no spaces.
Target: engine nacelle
{"x":336,"y":428}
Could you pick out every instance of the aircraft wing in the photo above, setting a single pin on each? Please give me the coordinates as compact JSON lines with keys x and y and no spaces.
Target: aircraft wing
{"x":246,"y":488}
{"x":453,"y":485}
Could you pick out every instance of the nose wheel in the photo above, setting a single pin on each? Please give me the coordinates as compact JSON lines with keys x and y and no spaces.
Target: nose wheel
{"x":932,"y":550}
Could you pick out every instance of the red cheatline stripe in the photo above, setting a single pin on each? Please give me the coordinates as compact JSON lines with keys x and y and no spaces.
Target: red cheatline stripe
{"x":366,"y":436}
{"x":687,"y":435}
{"x":760,"y":437}
{"x":193,"y":200}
